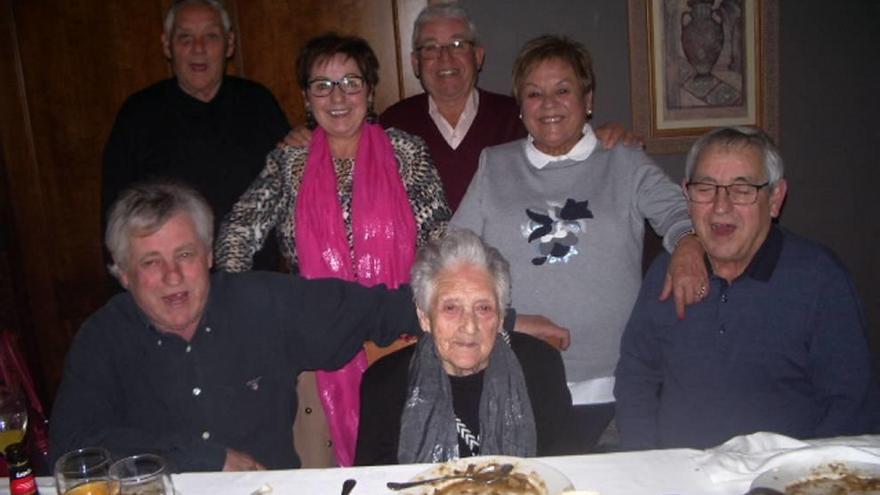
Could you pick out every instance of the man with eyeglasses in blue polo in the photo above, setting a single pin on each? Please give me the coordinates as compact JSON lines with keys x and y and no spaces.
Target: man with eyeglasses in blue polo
{"x":778,"y":341}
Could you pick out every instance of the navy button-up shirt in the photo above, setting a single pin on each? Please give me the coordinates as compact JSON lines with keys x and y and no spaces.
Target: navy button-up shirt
{"x":133,"y":389}
{"x":782,"y":348}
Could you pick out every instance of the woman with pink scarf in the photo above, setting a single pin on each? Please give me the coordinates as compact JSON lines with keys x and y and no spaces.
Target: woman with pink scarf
{"x":354,"y":204}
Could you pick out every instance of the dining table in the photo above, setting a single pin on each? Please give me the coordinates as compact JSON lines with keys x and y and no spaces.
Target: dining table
{"x":728,"y":469}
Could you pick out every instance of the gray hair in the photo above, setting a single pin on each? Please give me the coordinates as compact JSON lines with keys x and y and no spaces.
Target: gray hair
{"x":457,"y":247}
{"x":738,"y":137}
{"x":450,"y":10}
{"x":144,"y":208}
{"x":179,"y":4}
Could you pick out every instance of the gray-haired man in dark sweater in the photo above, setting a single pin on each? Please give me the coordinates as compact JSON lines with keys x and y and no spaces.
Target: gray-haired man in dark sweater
{"x":200,"y":367}
{"x":778,"y":343}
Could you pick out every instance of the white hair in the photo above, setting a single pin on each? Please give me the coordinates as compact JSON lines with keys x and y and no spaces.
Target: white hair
{"x":738,"y":136}
{"x":179,"y":4}
{"x":144,"y":208}
{"x":450,"y":10}
{"x":460,"y":246}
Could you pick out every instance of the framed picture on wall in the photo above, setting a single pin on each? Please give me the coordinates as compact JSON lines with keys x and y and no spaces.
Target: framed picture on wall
{"x":699,"y":64}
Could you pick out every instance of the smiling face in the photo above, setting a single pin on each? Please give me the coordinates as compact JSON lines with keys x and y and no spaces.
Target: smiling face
{"x":464,"y":318}
{"x":450,"y":77}
{"x":198,"y":48}
{"x":554,"y":106}
{"x":167,"y":273}
{"x":732,"y":234}
{"x":340,"y":115}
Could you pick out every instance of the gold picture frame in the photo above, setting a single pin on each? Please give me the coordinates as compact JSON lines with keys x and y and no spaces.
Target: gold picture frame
{"x":700,"y":64}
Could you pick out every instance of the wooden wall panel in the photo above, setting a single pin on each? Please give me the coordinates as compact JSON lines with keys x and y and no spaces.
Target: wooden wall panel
{"x":78,"y":60}
{"x":32,"y":270}
{"x":66,"y":66}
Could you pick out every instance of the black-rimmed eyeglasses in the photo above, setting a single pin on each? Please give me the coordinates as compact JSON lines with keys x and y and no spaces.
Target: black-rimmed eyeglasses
{"x":739,"y":194}
{"x":454,"y":47}
{"x":350,"y":85}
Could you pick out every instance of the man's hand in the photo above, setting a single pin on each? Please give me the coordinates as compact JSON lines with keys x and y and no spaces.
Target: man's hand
{"x":299,"y":136}
{"x":686,"y":276}
{"x":612,"y":133}
{"x":239,"y":461}
{"x":544,"y":329}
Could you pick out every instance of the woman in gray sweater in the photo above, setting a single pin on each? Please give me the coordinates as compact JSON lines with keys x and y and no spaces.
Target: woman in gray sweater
{"x":569,"y":217}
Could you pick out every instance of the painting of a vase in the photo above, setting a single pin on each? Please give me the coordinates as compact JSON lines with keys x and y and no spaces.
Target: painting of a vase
{"x":702,"y":36}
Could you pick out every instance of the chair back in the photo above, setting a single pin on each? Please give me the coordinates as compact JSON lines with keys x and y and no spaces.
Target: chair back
{"x":13,"y":369}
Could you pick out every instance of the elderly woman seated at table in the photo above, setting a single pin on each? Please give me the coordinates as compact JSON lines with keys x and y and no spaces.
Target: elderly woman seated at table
{"x":468,"y":387}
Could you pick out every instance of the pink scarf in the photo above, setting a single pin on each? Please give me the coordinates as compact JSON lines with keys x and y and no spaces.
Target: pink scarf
{"x":384,"y":238}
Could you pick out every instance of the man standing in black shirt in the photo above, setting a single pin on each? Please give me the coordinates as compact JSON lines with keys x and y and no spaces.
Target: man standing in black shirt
{"x":210,"y":130}
{"x":199,"y":367}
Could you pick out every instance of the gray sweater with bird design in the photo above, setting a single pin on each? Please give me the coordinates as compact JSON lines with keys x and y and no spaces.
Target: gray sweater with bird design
{"x":572,"y":232}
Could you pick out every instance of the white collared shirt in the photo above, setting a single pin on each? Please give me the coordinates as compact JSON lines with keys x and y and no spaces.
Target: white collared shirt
{"x":579,"y":152}
{"x":455,"y":135}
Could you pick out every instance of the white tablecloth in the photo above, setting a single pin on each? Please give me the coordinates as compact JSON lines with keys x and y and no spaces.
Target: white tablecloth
{"x":656,"y":472}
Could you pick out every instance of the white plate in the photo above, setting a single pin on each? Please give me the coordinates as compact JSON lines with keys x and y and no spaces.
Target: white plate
{"x":555,"y":481}
{"x":783,"y":476}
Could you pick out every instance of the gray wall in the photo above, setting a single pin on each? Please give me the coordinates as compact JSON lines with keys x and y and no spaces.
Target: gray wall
{"x":830,"y":138}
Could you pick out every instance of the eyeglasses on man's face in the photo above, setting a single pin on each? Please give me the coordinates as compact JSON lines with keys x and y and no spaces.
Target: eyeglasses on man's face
{"x":350,"y":85}
{"x":739,"y":193}
{"x":433,"y":50}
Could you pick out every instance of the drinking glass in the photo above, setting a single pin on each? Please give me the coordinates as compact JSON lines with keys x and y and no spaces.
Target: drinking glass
{"x":143,"y":474}
{"x":13,"y":414}
{"x":85,"y":472}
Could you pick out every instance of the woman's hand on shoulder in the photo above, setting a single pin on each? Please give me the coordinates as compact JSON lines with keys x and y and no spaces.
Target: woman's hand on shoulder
{"x":300,"y":136}
{"x":611,"y":133}
{"x":686,"y":276}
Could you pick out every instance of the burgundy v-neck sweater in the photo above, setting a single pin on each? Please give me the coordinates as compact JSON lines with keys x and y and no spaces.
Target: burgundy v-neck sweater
{"x":497,"y":122}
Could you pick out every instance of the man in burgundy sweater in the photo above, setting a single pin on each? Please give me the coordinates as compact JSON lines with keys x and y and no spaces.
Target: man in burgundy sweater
{"x":454,"y":117}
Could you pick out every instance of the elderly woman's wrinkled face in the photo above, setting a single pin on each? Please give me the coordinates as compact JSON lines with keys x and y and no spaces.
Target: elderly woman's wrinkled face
{"x":554,"y":106}
{"x":340,"y":114}
{"x":464,"y":318}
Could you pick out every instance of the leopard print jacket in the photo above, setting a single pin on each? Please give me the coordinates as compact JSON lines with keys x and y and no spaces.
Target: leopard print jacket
{"x":270,"y":201}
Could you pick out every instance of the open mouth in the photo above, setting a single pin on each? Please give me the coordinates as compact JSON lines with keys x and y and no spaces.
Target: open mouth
{"x":723,"y":229}
{"x":176,"y":299}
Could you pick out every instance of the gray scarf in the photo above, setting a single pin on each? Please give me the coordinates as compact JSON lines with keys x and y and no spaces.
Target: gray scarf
{"x":427,"y":425}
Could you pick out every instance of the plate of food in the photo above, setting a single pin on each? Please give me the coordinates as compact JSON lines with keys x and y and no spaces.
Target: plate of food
{"x":525,"y":477}
{"x":838,"y":478}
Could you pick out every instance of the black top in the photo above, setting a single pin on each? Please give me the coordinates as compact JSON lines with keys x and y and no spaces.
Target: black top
{"x":466,"y":392}
{"x":383,"y":394}
{"x":132,"y":389}
{"x":218,"y":147}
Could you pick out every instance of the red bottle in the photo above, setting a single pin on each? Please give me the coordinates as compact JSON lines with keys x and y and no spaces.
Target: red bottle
{"x":21,"y":476}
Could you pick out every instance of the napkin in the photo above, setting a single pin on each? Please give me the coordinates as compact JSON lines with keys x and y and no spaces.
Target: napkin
{"x":744,"y":457}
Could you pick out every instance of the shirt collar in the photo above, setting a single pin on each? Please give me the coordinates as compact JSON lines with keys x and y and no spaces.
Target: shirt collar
{"x":764,"y":262}
{"x":580,"y":152}
{"x":455,"y":135}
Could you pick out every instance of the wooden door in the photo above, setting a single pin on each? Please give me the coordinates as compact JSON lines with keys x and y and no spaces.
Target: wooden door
{"x":65,"y":69}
